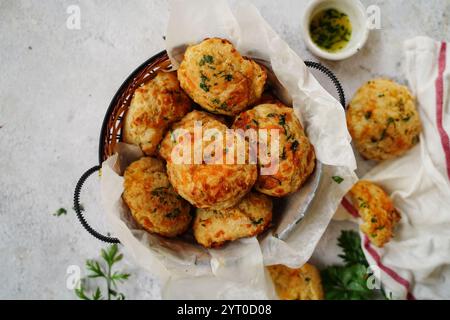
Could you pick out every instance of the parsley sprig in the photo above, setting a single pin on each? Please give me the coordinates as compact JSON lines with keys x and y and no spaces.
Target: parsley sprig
{"x":105,"y":271}
{"x":348,"y":282}
{"x":350,"y":242}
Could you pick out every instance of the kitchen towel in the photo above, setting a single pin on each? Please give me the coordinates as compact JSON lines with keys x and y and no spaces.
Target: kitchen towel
{"x":415,"y":264}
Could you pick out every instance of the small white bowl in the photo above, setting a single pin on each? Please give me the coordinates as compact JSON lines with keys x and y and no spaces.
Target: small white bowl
{"x":358,"y":18}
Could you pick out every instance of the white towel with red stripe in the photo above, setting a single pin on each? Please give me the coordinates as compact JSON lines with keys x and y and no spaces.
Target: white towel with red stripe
{"x":415,"y":264}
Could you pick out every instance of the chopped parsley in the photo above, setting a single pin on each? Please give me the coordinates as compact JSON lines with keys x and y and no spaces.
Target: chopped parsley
{"x":330,"y":29}
{"x":60,"y":212}
{"x":159,"y":191}
{"x":337,"y":179}
{"x":390,"y":120}
{"x":224,"y":106}
{"x":256,"y":222}
{"x":173,"y":214}
{"x":363,"y":203}
{"x":203,"y":85}
{"x":206,"y":59}
{"x":367,"y":115}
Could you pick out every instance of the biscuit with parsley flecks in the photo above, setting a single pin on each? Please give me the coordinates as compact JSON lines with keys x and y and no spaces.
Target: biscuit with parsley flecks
{"x":383,"y":120}
{"x":219,"y":79}
{"x":152,"y":201}
{"x":154,"y":107}
{"x":216,"y":181}
{"x":251,"y":216}
{"x":377,"y":211}
{"x":296,"y":157}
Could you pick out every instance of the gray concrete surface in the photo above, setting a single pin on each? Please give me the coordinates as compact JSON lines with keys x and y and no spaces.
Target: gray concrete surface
{"x":55,"y":85}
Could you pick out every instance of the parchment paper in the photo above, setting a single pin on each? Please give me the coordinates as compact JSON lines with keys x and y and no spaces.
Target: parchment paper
{"x":237,"y":271}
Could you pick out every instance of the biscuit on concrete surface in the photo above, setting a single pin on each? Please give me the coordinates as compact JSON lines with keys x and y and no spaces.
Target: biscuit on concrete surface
{"x":377,"y":211}
{"x":383,"y":120}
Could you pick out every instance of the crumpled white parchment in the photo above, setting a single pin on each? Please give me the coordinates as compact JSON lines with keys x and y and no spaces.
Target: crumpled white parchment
{"x":236,"y":271}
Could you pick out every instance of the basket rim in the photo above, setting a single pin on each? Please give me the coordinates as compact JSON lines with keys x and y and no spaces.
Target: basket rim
{"x":112,"y":104}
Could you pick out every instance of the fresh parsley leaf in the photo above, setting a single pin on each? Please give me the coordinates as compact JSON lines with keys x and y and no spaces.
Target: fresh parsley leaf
{"x":60,"y":212}
{"x":206,"y":59}
{"x":346,"y":283}
{"x":337,"y":179}
{"x":350,"y":242}
{"x":105,"y":271}
{"x":203,"y":85}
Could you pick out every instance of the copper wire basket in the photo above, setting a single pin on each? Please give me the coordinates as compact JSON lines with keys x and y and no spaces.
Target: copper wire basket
{"x":111,"y":132}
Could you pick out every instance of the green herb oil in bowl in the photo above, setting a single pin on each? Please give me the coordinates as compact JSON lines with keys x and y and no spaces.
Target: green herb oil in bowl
{"x":330,"y":30}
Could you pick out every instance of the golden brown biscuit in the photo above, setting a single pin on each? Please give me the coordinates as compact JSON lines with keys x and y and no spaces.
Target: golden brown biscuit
{"x":219,"y":79}
{"x":152,"y":201}
{"x":297,"y":284}
{"x":376,"y":210}
{"x":383,"y":120}
{"x":251,"y":216}
{"x":206,"y":184}
{"x":154,"y":106}
{"x":296,"y":154}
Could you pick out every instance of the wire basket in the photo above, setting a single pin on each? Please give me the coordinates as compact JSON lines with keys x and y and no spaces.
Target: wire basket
{"x":111,"y":132}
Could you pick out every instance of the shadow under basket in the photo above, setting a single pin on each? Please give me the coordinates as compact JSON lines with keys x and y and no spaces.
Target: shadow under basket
{"x":111,"y":132}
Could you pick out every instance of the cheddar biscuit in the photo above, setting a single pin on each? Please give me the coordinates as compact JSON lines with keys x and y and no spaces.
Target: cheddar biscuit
{"x":296,"y":154}
{"x":219,"y":79}
{"x":251,"y":216}
{"x":154,"y":106}
{"x":297,"y":284}
{"x":383,"y":120}
{"x":210,"y":183}
{"x":152,"y":201}
{"x":376,"y":210}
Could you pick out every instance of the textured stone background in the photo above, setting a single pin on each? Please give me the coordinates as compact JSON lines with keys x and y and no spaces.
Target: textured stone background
{"x":55,"y":86}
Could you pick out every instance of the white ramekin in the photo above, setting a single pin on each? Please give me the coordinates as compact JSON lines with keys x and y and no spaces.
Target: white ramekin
{"x":358,"y":18}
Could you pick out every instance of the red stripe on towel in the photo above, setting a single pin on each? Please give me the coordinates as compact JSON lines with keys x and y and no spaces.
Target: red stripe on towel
{"x":349,"y":207}
{"x":440,"y":105}
{"x":394,"y":275}
{"x":375,"y":256}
